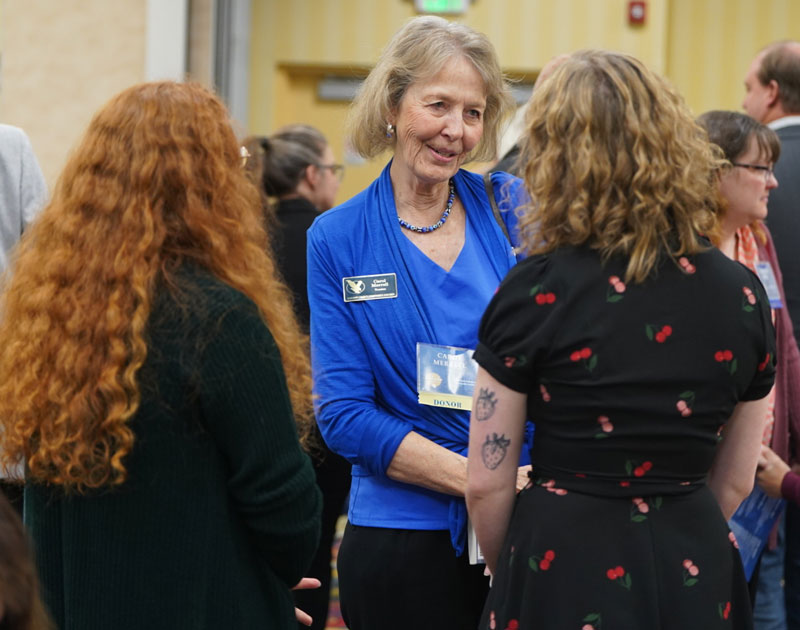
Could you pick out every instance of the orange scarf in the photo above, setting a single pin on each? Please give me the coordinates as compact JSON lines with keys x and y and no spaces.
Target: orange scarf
{"x":746,"y":252}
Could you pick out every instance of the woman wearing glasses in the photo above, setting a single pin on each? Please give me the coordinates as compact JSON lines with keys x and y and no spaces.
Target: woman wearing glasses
{"x":752,"y":149}
{"x":295,"y":167}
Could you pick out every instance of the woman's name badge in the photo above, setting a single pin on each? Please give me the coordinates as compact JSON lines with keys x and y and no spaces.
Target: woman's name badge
{"x":377,"y":286}
{"x":445,"y":376}
{"x":767,"y":277}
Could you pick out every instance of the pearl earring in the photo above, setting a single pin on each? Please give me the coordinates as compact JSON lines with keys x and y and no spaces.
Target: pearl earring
{"x":389,"y":130}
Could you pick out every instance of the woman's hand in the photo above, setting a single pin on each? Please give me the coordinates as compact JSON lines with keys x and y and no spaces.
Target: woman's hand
{"x":771,"y":471}
{"x":305,"y":583}
{"x":522,"y":477}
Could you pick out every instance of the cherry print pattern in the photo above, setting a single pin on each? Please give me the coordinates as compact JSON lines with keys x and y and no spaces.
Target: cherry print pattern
{"x":492,"y":621}
{"x":513,"y":624}
{"x":619,"y":575}
{"x":592,"y":621}
{"x":638,"y":470}
{"x":748,"y":300}
{"x":537,"y":563}
{"x":659,"y":335}
{"x":726,"y":357}
{"x":686,"y":265}
{"x":690,"y":573}
{"x":616,"y":288}
{"x":551,"y":487}
{"x":641,"y":508}
{"x":512,"y":361}
{"x":605,"y":426}
{"x":685,"y":403}
{"x":541,"y":296}
{"x":681,"y":405}
{"x":587,"y":356}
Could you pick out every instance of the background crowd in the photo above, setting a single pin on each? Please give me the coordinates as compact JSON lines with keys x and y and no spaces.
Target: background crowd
{"x":631,"y":295}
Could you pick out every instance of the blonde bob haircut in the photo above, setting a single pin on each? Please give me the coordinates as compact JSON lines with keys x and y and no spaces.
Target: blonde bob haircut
{"x":614,"y":161}
{"x":417,"y":52}
{"x":155,"y":184}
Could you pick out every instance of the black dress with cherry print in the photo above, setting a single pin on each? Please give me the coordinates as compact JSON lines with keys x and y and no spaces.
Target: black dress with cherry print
{"x":628,"y":385}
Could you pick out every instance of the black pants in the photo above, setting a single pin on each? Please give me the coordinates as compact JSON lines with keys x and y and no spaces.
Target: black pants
{"x":396,"y":579}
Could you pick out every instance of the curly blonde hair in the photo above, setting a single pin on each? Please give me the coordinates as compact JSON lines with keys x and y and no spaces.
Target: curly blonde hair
{"x":614,"y":161}
{"x":419,"y":50}
{"x":156,"y":182}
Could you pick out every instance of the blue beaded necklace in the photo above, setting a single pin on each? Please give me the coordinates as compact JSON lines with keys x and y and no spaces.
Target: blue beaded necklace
{"x":440,"y":222}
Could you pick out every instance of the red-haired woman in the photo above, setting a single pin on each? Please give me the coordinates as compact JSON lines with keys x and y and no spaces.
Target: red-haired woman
{"x":149,"y":370}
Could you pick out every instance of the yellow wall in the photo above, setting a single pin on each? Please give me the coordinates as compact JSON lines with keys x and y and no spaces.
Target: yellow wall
{"x":294,"y":44}
{"x":712,"y":42}
{"x":61,"y":61}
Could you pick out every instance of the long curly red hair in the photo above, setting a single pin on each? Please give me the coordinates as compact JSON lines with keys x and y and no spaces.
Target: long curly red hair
{"x":156,"y":182}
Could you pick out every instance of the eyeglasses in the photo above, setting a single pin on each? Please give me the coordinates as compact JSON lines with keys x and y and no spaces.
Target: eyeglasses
{"x":336,"y":169}
{"x":767,"y":170}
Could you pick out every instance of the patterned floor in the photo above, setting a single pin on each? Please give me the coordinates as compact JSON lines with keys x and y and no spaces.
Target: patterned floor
{"x":334,"y":613}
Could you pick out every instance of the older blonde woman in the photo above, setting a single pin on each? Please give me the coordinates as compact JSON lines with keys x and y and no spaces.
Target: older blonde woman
{"x":629,"y":372}
{"x":411,"y":261}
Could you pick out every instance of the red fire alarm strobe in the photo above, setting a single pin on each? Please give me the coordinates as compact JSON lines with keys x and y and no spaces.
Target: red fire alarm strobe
{"x":637,"y":11}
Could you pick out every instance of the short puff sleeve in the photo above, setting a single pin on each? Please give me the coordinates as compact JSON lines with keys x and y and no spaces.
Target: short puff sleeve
{"x":764,"y":374}
{"x":518,"y":323}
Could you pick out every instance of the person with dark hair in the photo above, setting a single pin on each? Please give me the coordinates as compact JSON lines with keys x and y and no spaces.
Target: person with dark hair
{"x":397,"y":274}
{"x":772,"y":85}
{"x":153,"y":379}
{"x":296,"y":170}
{"x":746,"y":183}
{"x":298,"y":174}
{"x":643,"y":356}
{"x":772,"y":97}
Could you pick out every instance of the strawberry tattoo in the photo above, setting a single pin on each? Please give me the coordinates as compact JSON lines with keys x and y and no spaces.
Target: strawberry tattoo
{"x":494,"y":450}
{"x":484,"y":406}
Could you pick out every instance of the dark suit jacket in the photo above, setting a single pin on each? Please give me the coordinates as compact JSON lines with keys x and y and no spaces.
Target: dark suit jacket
{"x":784,"y":218}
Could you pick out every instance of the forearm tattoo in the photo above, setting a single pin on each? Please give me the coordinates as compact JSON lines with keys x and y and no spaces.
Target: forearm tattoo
{"x":484,"y":406}
{"x":494,"y":450}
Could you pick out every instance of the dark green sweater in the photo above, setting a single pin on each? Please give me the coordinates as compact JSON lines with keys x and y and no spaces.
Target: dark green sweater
{"x":220,"y":513}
